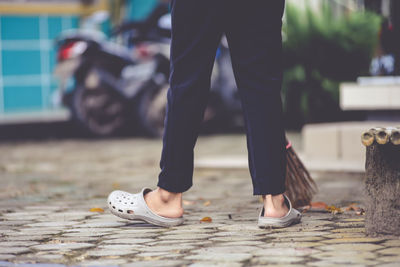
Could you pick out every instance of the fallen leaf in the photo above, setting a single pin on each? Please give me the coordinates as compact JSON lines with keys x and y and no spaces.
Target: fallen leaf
{"x":206,"y":219}
{"x":207,"y":203}
{"x":112,"y":257}
{"x":116,"y":185}
{"x":334,"y":210}
{"x":96,"y":210}
{"x":353,"y":207}
{"x":360,"y":212}
{"x":188,"y":202}
{"x":318,"y":205}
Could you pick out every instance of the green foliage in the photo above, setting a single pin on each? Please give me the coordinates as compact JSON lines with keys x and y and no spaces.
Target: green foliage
{"x":320,"y":51}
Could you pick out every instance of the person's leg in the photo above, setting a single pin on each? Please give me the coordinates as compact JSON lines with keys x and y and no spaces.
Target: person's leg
{"x":196,"y":33}
{"x":254,"y":36}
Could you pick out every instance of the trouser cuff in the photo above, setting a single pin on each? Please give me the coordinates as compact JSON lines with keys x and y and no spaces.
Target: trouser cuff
{"x":174,"y":188}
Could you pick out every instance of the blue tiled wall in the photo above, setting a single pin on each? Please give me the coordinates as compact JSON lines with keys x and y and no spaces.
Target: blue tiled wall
{"x":139,"y":9}
{"x":27,"y":60}
{"x":28,"y":57}
{"x":20,"y":98}
{"x":20,"y":62}
{"x":19,"y":28}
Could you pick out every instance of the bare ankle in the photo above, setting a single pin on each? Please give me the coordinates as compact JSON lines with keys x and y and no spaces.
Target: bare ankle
{"x":165,"y":203}
{"x":274,"y":206}
{"x":168,"y":197}
{"x":274,"y":200}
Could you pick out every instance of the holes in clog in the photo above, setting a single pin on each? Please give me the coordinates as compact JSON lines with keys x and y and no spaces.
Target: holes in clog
{"x":125,"y":203}
{"x":121,"y":211}
{"x":110,"y":202}
{"x":113,"y":207}
{"x":130,"y":211}
{"x":131,"y":203}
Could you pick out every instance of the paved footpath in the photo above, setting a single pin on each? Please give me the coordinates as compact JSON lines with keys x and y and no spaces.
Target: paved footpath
{"x":48,"y":189}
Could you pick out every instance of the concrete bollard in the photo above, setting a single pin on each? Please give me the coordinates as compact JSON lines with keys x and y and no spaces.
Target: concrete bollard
{"x":382,"y":184}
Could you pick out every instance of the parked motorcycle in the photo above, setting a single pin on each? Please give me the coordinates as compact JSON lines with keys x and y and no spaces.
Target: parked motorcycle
{"x":103,"y":82}
{"x":114,"y":85}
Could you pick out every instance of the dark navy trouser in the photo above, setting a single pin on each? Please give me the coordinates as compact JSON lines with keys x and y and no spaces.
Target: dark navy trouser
{"x":253,"y":30}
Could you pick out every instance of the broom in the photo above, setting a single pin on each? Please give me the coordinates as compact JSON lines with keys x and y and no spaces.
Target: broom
{"x":300,"y":187}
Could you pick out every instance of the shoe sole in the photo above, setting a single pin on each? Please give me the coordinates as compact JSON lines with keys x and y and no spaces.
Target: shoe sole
{"x":133,"y":217}
{"x":279,"y":225}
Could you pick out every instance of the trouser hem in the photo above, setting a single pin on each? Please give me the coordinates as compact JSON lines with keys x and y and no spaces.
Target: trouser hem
{"x":173,"y":188}
{"x":270,"y":191}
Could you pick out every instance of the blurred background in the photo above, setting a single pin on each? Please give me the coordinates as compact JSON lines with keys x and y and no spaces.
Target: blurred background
{"x":82,"y":103}
{"x":99,"y":68}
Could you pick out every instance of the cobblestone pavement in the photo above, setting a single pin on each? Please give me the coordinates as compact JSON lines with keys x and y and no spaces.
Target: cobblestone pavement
{"x":47,"y":190}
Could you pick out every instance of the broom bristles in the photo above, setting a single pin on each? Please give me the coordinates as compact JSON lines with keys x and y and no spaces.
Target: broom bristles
{"x":300,"y":187}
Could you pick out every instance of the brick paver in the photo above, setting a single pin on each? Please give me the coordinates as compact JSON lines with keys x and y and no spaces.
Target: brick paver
{"x":48,"y":188}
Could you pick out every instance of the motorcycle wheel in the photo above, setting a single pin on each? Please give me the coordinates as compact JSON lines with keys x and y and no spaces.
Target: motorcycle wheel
{"x":100,"y":111}
{"x":151,"y":111}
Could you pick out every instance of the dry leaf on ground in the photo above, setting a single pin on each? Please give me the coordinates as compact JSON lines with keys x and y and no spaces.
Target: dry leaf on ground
{"x":334,"y":210}
{"x":96,"y":210}
{"x":188,"y":202}
{"x":207,"y":203}
{"x":353,"y":207}
{"x":318,"y":205}
{"x":360,"y":212}
{"x":116,"y":185}
{"x":206,"y":219}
